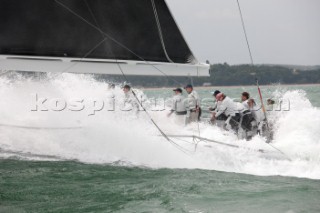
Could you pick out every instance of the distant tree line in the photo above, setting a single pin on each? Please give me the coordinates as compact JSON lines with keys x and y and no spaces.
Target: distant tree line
{"x":227,"y":75}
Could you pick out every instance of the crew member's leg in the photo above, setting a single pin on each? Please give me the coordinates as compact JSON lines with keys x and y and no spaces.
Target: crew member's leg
{"x":221,"y":120}
{"x":193,"y":117}
{"x":234,"y":122}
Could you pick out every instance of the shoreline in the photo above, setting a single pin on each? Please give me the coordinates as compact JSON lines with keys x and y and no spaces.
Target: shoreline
{"x":211,"y":87}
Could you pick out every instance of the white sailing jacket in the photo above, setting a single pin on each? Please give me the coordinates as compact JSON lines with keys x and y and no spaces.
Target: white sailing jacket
{"x":243,"y":106}
{"x":257,"y":114}
{"x":226,"y":106}
{"x":193,"y":100}
{"x":179,"y":104}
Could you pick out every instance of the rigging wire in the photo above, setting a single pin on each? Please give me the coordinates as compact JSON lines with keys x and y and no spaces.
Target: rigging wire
{"x":160,"y":30}
{"x":245,"y":33}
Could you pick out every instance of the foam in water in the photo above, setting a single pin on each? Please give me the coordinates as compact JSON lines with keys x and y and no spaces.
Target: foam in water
{"x":123,"y":137}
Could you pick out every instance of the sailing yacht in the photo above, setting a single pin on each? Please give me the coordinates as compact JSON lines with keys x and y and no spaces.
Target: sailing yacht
{"x":112,"y":37}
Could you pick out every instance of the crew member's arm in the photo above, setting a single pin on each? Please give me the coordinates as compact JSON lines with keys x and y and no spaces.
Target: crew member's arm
{"x":170,"y":113}
{"x":212,"y":109}
{"x":213,"y":117}
{"x":221,"y":110}
{"x":197,"y":99}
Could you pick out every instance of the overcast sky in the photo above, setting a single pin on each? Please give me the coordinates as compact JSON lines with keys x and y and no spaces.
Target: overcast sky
{"x":279,"y":31}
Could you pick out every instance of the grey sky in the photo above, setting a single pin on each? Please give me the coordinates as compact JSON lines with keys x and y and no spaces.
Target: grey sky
{"x":279,"y":31}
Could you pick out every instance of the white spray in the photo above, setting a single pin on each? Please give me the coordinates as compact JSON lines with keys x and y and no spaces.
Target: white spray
{"x":96,"y":135}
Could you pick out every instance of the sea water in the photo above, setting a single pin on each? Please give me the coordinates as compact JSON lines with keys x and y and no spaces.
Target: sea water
{"x":58,"y":157}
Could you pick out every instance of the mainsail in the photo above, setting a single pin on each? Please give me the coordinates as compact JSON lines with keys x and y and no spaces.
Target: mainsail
{"x":94,"y":36}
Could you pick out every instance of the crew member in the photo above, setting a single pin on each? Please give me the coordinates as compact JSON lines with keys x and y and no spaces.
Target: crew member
{"x":111,"y":97}
{"x":270,"y":104}
{"x":220,"y":120}
{"x":247,"y":119}
{"x":179,"y":107}
{"x":229,"y":108}
{"x":244,"y":99}
{"x":214,"y":94}
{"x":130,"y":102}
{"x":193,"y":102}
{"x":258,"y":115}
{"x":111,"y":86}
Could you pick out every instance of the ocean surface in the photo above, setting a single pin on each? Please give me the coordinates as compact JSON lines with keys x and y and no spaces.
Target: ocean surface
{"x":57,"y":157}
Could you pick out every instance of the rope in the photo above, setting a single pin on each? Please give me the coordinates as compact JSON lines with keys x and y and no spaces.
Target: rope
{"x":280,"y":151}
{"x":160,"y":31}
